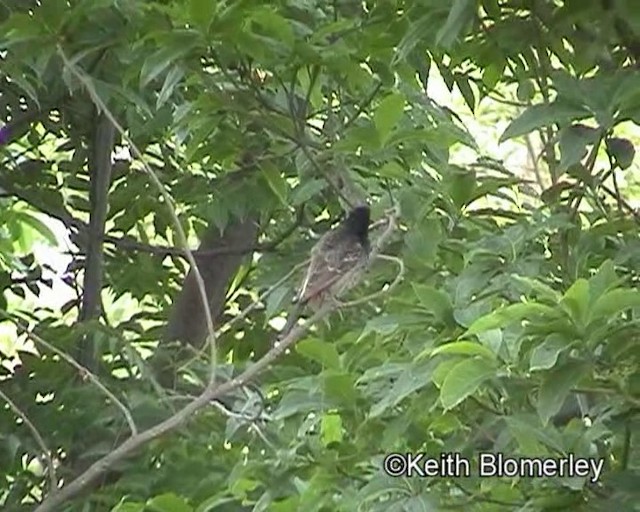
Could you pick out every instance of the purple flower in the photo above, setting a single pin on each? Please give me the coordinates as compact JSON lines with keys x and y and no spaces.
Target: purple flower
{"x":4,"y":135}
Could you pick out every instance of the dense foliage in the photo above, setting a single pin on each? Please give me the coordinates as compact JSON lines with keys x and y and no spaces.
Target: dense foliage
{"x":249,"y":125}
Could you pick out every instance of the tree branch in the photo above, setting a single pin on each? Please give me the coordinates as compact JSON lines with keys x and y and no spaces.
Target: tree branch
{"x":100,"y":175}
{"x":51,"y":470}
{"x":213,"y":391}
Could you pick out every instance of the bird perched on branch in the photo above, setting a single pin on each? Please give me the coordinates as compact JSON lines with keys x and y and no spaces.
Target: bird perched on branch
{"x":337,"y":260}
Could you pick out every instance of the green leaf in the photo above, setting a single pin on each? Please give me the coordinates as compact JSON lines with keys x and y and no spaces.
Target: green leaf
{"x":201,"y":12}
{"x":20,"y":28}
{"x":339,"y":388}
{"x":275,"y":300}
{"x":242,"y":486}
{"x":464,"y":379}
{"x":576,"y":301}
{"x":526,"y":430}
{"x":492,"y":73}
{"x":173,"y":51}
{"x":545,"y":355}
{"x":460,"y":14}
{"x":442,"y":370}
{"x":54,"y":12}
{"x":307,"y":190}
{"x":562,"y":500}
{"x":129,"y":506}
{"x":171,"y":80}
{"x":580,"y":173}
{"x":387,"y":114}
{"x":331,"y":430}
{"x":556,"y":386}
{"x":212,"y":503}
{"x":416,"y":376}
{"x":276,"y":182}
{"x":462,"y":81}
{"x":393,"y":170}
{"x":423,"y":240}
{"x":37,"y":225}
{"x":526,"y":90}
{"x":320,"y":351}
{"x":554,"y":192}
{"x":622,"y":150}
{"x":510,"y":314}
{"x":460,"y":185}
{"x":604,"y":279}
{"x":413,"y":38}
{"x":614,"y":302}
{"x":463,"y":348}
{"x":540,"y":289}
{"x":218,"y":213}
{"x":300,"y":401}
{"x":539,"y":116}
{"x":378,"y":487}
{"x":273,"y":24}
{"x":435,"y":301}
{"x":26,"y":87}
{"x":573,"y":144}
{"x":169,"y":502}
{"x":383,"y":324}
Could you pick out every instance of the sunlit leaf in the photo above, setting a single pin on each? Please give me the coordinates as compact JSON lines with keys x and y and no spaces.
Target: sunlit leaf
{"x":276,"y":182}
{"x":464,"y":379}
{"x":320,"y":351}
{"x":331,"y":430}
{"x":387,"y":114}
{"x":540,"y":116}
{"x":545,"y":355}
{"x":511,"y":313}
{"x":464,"y":348}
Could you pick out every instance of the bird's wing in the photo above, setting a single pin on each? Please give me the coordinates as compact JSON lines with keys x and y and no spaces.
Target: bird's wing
{"x":329,"y":263}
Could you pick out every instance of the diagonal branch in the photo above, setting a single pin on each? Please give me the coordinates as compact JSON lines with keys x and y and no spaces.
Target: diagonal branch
{"x":51,"y":470}
{"x":213,"y":391}
{"x":83,"y":370}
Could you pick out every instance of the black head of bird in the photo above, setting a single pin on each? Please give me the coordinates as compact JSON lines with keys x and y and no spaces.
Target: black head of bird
{"x":357,"y":224}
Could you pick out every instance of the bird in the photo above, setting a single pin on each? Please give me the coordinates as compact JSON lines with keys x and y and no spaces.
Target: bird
{"x":337,"y":260}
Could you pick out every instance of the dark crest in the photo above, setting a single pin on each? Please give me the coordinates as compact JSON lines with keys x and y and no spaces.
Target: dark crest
{"x":357,"y":223}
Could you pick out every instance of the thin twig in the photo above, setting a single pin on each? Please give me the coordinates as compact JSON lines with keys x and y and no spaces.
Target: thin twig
{"x":625,"y":205}
{"x":82,"y":369}
{"x":243,"y":314}
{"x":247,"y":418}
{"x":261,"y":435}
{"x":384,"y":290}
{"x":53,"y":480}
{"x":362,"y":106}
{"x":302,"y":141}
